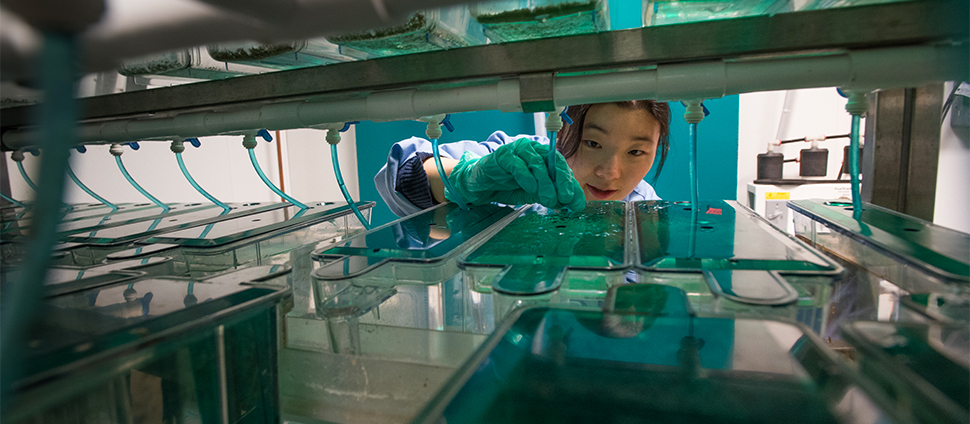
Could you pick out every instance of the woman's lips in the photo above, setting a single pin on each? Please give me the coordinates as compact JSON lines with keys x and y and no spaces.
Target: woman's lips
{"x":599,"y":193}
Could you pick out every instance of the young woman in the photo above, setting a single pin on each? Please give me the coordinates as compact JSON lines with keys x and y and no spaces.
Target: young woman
{"x":604,"y":155}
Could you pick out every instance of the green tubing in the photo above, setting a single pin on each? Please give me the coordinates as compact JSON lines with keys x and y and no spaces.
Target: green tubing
{"x":854,"y":167}
{"x":692,"y":172}
{"x":58,"y":114}
{"x":343,"y":188}
{"x":196,"y":186}
{"x":88,"y":190}
{"x":692,"y":164}
{"x":262,"y":176}
{"x":444,"y":177}
{"x":23,"y":173}
{"x":10,"y":199}
{"x":551,"y":163}
{"x":124,"y":171}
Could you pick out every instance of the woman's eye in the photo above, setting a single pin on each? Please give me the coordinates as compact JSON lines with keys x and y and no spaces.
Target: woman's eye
{"x":637,"y":152}
{"x":591,"y":143}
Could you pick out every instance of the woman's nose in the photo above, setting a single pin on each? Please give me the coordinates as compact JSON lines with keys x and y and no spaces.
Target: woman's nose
{"x":609,"y":169}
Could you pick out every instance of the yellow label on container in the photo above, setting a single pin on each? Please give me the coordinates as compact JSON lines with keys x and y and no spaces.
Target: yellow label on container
{"x":777,"y":195}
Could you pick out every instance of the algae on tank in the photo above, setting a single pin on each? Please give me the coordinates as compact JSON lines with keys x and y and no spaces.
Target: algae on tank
{"x":418,"y":34}
{"x":250,"y":51}
{"x":544,"y":21}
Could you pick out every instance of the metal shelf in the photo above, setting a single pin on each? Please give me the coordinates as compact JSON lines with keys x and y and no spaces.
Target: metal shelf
{"x":885,"y":25}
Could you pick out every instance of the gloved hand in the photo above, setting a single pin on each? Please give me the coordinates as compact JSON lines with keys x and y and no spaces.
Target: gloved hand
{"x":516,"y":174}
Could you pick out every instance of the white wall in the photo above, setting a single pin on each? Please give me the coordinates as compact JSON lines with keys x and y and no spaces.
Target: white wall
{"x":221,"y":166}
{"x":822,"y":111}
{"x":817,"y":111}
{"x":953,"y":178}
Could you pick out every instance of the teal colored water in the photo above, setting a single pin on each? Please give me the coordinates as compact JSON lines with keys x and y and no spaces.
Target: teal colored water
{"x":937,"y":354}
{"x":236,"y":229}
{"x":592,"y":238}
{"x":426,"y":237}
{"x":167,"y":221}
{"x":723,"y":236}
{"x":556,"y":365}
{"x":190,"y":346}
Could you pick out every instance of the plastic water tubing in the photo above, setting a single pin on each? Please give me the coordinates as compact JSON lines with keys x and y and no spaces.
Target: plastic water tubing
{"x":23,"y":173}
{"x":57,"y":125}
{"x":444,"y":177}
{"x":196,"y":186}
{"x":343,"y":188}
{"x":9,"y":199}
{"x":692,"y":164}
{"x":553,"y":124}
{"x":266,"y":180}
{"x":854,"y":167}
{"x":551,"y":160}
{"x":89,"y":191}
{"x":141,"y":190}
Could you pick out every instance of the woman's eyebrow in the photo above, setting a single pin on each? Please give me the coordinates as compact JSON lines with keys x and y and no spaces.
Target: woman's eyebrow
{"x":591,"y":126}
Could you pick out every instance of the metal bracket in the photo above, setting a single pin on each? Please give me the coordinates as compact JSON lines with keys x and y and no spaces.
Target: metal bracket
{"x":535,"y":92}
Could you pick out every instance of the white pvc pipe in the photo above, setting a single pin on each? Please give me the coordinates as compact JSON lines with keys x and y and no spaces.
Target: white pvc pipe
{"x":858,"y":70}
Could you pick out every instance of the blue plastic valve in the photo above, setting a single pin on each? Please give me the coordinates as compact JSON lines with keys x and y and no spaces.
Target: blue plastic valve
{"x":134,"y":145}
{"x":347,"y":125}
{"x":265,"y":134}
{"x":194,"y":141}
{"x":447,"y":123}
{"x":565,"y":117}
{"x":80,"y":149}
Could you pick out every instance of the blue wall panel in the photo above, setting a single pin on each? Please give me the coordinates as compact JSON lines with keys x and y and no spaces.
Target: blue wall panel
{"x":717,"y":154}
{"x":717,"y":149}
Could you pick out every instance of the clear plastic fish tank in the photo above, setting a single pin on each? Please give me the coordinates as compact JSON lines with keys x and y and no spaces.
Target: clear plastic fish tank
{"x":514,"y":20}
{"x":731,"y":260}
{"x":391,"y":316}
{"x":182,"y":66}
{"x":152,"y":350}
{"x":428,"y":30}
{"x":546,"y":365}
{"x":924,"y":368}
{"x":913,"y":254}
{"x":284,"y":55}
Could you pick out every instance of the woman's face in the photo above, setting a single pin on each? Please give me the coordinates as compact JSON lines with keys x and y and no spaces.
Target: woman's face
{"x":615,"y":152}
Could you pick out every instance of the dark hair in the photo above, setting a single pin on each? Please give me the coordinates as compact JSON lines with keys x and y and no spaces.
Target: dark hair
{"x":567,"y":142}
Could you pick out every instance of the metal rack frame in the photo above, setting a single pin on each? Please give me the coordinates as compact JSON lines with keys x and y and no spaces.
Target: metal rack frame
{"x":930,"y":22}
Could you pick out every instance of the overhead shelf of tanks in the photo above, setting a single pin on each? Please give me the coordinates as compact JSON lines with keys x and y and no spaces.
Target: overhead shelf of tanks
{"x":808,"y":33}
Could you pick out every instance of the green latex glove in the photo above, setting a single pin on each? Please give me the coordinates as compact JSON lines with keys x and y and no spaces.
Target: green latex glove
{"x":516,"y":174}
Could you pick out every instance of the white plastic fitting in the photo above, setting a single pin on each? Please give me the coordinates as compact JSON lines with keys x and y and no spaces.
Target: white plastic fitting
{"x":17,"y":155}
{"x":249,"y":140}
{"x":434,"y":125}
{"x":333,"y":131}
{"x":116,"y":149}
{"x":178,"y":145}
{"x":814,"y":140}
{"x":858,"y":104}
{"x":695,"y":112}
{"x":554,"y":119}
